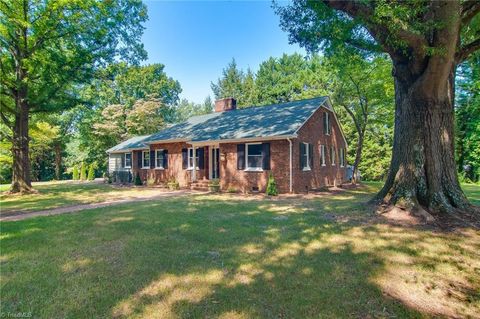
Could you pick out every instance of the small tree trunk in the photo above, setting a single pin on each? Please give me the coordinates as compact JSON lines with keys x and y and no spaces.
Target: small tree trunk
{"x":58,"y":160}
{"x":358,"y":155}
{"x":21,"y":180}
{"x":423,"y":170}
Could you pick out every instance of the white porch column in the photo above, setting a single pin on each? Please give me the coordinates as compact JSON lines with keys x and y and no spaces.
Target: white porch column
{"x":194,"y":171}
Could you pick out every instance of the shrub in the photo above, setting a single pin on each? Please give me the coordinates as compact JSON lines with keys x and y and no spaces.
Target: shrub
{"x":232,"y":190}
{"x":271,"y":186}
{"x":150,"y":181}
{"x":173,"y":184}
{"x":76,"y":176}
{"x":138,"y":180}
{"x":83,"y":172}
{"x":91,"y":172}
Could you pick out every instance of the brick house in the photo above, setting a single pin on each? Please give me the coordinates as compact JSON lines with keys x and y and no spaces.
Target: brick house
{"x":301,"y":143}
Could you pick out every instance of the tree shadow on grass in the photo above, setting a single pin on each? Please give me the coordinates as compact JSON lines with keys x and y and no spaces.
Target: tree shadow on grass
{"x":208,"y":257}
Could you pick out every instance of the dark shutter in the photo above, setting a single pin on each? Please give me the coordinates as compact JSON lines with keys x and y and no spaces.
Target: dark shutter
{"x":240,"y":156}
{"x":152,"y":158}
{"x":165,"y":159}
{"x":201,"y":157}
{"x":123,"y":160}
{"x":139,"y":159}
{"x":184,"y":158}
{"x":266,"y":156}
{"x":302,"y":158}
{"x":310,"y":155}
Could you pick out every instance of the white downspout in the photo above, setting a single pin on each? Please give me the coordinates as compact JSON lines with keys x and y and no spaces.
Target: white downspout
{"x":291,"y":165}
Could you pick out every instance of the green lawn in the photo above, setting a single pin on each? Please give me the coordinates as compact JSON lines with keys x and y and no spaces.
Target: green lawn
{"x":228,"y":256}
{"x":64,"y":193}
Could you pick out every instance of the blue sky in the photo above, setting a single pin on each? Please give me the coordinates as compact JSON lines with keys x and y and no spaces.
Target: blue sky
{"x":195,"y":40}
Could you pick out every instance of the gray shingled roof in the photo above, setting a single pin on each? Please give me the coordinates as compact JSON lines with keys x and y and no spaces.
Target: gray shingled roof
{"x":260,"y":121}
{"x":253,"y":122}
{"x":130,"y":144}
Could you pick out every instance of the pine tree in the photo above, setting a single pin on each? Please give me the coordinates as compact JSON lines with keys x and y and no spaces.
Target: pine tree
{"x":83,"y":172}
{"x":76,"y":177}
{"x":91,"y":172}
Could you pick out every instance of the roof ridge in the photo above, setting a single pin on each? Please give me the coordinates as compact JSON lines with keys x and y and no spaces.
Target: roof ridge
{"x":281,"y":103}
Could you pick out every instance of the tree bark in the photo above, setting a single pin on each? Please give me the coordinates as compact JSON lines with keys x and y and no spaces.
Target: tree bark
{"x":423,"y":170}
{"x":21,"y":180}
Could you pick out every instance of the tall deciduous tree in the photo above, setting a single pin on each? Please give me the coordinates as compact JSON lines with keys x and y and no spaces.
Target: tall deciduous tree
{"x":48,"y":49}
{"x":364,"y":88}
{"x":426,"y":40}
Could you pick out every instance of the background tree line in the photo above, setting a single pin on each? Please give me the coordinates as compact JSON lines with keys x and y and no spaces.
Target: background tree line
{"x":127,"y":100}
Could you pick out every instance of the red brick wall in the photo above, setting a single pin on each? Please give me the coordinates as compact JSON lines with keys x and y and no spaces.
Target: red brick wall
{"x":243,"y":181}
{"x":318,"y":176}
{"x":174,"y":170}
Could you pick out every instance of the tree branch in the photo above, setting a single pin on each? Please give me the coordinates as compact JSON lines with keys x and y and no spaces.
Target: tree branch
{"x":381,"y":32}
{"x":467,"y":50}
{"x":5,"y":120}
{"x":469,"y":10}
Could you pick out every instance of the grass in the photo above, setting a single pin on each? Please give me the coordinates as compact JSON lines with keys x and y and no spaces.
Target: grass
{"x":227,"y":256}
{"x":64,"y":193}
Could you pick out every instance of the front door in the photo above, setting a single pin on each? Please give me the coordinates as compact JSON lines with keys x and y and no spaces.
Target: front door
{"x":215,"y":162}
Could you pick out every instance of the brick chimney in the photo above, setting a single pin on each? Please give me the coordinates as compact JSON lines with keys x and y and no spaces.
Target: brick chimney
{"x":227,"y":104}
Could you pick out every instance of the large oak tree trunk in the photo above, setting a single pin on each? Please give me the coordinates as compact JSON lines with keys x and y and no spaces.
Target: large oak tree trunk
{"x":423,"y":170}
{"x":21,"y":180}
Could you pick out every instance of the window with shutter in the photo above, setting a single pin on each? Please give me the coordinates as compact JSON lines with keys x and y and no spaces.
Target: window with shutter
{"x":159,"y":159}
{"x":322,"y":155}
{"x":332,"y":155}
{"x":128,"y":160}
{"x":342,"y":157}
{"x":305,"y":156}
{"x":190,"y":158}
{"x":254,"y":156}
{"x":146,"y":159}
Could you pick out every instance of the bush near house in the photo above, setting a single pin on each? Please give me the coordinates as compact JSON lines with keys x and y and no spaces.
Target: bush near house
{"x":271,"y":186}
{"x":138,"y":180}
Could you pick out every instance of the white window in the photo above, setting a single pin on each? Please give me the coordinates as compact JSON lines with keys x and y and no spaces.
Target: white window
{"x":190,"y":158}
{"x":146,"y":159}
{"x":342,"y":157}
{"x":306,"y":157}
{"x":322,"y":155}
{"x":326,"y":122}
{"x":159,"y":158}
{"x":254,"y":156}
{"x":332,"y":155}
{"x":128,"y":160}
